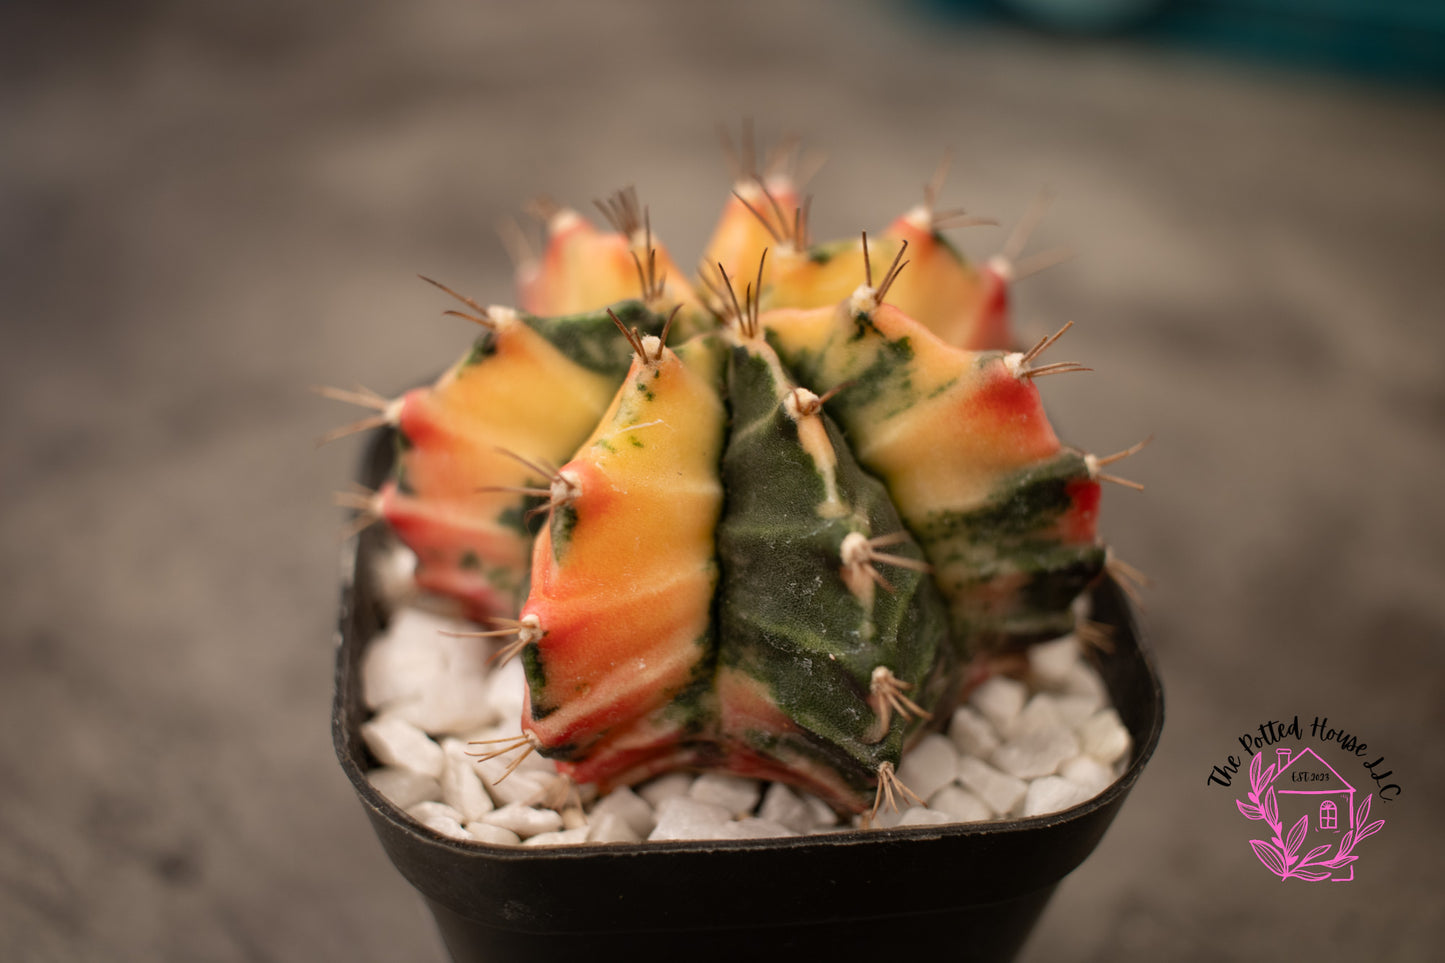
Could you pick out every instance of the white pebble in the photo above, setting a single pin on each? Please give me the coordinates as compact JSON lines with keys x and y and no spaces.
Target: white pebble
{"x":1000,"y":791}
{"x":525,"y":821}
{"x":418,"y":652}
{"x":626,"y":805}
{"x":1083,"y":680}
{"x":736,"y":794}
{"x":1104,"y":737}
{"x":395,"y":582}
{"x":961,"y":805}
{"x":610,"y":827}
{"x":999,"y":698}
{"x":488,"y":833}
{"x":1074,"y":710}
{"x":929,"y":765}
{"x":1052,"y":794}
{"x":562,"y":837}
{"x":1041,"y":713}
{"x":1036,"y":753}
{"x":526,"y":783}
{"x":1088,"y":773}
{"x":923,"y":816}
{"x":972,"y":733}
{"x":1051,"y":662}
{"x":505,"y":692}
{"x":665,"y":787}
{"x":396,"y":742}
{"x":680,"y":817}
{"x":754,"y":828}
{"x":462,"y":788}
{"x":451,"y":704}
{"x":431,"y":808}
{"x":522,"y":787}
{"x":824,"y":815}
{"x":441,"y":818}
{"x":782,"y":806}
{"x":404,"y":788}
{"x":401,"y":661}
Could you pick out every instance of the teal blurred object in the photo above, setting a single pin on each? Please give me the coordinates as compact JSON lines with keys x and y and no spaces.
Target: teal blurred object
{"x":1401,"y":40}
{"x":1084,"y":16}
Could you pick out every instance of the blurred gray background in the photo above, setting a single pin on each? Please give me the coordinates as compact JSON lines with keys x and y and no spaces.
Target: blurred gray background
{"x":206,"y":207}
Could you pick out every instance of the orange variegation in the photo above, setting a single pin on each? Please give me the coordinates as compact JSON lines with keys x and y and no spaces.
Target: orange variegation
{"x":624,"y":573}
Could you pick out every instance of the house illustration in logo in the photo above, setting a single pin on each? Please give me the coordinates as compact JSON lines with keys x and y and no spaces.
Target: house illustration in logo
{"x":1306,"y":785}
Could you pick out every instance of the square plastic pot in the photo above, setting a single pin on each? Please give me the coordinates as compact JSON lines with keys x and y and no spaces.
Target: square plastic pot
{"x":970,"y":891}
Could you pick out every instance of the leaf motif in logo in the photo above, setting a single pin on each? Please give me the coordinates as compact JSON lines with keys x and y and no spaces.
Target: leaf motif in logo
{"x":1313,"y":875}
{"x":1267,"y":854}
{"x":1250,"y":812}
{"x":1296,"y":836}
{"x":1271,"y":807}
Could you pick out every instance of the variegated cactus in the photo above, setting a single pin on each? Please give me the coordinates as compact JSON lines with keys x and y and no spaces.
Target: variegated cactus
{"x":770,"y":521}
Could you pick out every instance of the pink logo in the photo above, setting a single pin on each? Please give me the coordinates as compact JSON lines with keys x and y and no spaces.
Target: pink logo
{"x":1329,"y":826}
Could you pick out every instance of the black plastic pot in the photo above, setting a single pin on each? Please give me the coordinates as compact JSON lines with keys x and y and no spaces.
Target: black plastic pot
{"x":966,"y":892}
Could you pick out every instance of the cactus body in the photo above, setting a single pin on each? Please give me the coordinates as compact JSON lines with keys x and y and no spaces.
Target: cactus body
{"x":478,"y":426}
{"x":804,"y":620}
{"x":1004,"y":512}
{"x":624,"y":574}
{"x":777,"y":547}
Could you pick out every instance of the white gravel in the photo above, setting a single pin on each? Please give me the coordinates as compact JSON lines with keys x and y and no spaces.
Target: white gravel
{"x":658,"y":790}
{"x":1000,"y":700}
{"x":923,"y":816}
{"x":396,"y":742}
{"x":1104,"y":737}
{"x":630,"y":809}
{"x":461,"y":784}
{"x":960,"y":804}
{"x":440,"y":817}
{"x":404,"y":787}
{"x":525,"y":821}
{"x":931,"y":764}
{"x":1017,"y":747}
{"x":609,"y":827}
{"x":972,"y":734}
{"x":435,"y":681}
{"x":489,"y":833}
{"x":562,"y":837}
{"x":1036,"y":752}
{"x":682,"y":817}
{"x":1089,"y":773}
{"x":737,"y":795}
{"x":1051,"y":794}
{"x":1000,"y":791}
{"x":785,"y":807}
